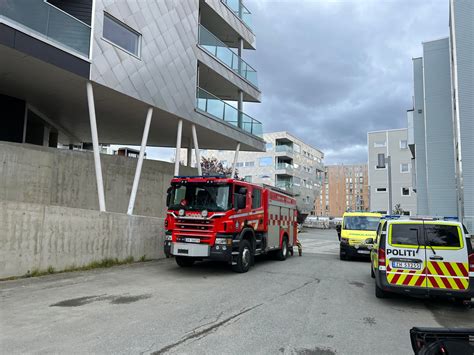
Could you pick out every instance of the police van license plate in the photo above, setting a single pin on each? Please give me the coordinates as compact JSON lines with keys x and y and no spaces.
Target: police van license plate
{"x":363,"y":251}
{"x":406,"y":265}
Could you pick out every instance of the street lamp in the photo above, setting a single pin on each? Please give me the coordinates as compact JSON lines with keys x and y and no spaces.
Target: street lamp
{"x":383,"y":161}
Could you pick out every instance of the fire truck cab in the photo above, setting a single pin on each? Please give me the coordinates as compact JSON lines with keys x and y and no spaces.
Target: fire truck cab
{"x":229,"y":220}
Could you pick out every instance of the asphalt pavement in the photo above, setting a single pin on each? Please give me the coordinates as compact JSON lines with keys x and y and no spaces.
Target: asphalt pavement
{"x":314,"y":304}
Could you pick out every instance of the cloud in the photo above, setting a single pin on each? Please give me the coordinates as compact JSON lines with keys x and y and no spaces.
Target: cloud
{"x":330,"y":71}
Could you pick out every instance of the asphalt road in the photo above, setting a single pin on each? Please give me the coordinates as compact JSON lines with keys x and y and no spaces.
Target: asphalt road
{"x":314,"y":304}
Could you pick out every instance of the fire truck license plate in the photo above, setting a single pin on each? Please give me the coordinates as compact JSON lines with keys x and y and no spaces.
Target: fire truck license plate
{"x":193,"y":240}
{"x":406,"y":265}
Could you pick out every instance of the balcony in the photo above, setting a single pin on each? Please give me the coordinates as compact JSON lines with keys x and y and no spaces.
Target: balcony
{"x":218,"y":49}
{"x":48,"y":22}
{"x":239,"y":10}
{"x":287,"y":150}
{"x":212,"y":105}
{"x":284,"y":166}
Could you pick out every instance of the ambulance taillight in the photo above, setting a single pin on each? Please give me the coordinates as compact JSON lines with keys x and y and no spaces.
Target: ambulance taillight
{"x":381,"y":257}
{"x":471,"y":262}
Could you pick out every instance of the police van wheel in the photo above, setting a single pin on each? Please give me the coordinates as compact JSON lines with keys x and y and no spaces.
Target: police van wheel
{"x":184,"y":261}
{"x":372,"y":273}
{"x":342,"y":256}
{"x":244,"y":258}
{"x":283,"y":252}
{"x":379,"y":293}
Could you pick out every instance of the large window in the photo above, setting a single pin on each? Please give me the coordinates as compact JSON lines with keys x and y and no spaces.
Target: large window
{"x":265,"y":161}
{"x":256,"y":198}
{"x":442,"y":236}
{"x":121,"y":35}
{"x":360,"y":222}
{"x":197,"y":197}
{"x":406,"y":234}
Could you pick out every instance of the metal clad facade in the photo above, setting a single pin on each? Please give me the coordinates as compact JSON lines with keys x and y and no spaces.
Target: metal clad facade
{"x":462,"y":33}
{"x":419,"y":138}
{"x":440,"y":169}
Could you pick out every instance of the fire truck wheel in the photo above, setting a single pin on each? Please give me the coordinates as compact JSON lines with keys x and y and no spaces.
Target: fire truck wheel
{"x":244,"y":258}
{"x":184,"y":261}
{"x":283,"y":252}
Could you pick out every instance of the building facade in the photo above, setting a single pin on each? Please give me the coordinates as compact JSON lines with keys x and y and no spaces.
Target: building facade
{"x":441,"y":124}
{"x":158,"y":73}
{"x":288,"y":163}
{"x":343,"y":188}
{"x":394,"y":144}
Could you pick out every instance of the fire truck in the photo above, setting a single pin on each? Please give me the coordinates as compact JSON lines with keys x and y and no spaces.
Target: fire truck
{"x":218,"y":218}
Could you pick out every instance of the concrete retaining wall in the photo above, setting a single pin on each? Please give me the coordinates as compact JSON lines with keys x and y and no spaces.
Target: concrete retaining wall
{"x":35,"y":236}
{"x":57,"y":177}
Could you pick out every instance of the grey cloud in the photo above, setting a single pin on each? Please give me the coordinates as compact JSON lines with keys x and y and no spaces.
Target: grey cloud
{"x":331,"y":71}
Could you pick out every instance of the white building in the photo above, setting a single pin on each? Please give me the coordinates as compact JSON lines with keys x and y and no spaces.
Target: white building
{"x":288,"y":163}
{"x":394,"y":144}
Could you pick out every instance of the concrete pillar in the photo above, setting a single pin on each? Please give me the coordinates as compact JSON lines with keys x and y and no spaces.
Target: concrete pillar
{"x":196,"y":149}
{"x":236,"y":157}
{"x":178,"y":147}
{"x":240,"y":107}
{"x":189,"y":157}
{"x":138,"y":171}
{"x":95,"y":143}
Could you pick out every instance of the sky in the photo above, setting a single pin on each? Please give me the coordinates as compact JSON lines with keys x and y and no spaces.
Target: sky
{"x":332,"y":70}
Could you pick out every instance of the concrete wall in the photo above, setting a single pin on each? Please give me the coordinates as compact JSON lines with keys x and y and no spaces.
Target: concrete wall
{"x":66,"y":178}
{"x":35,"y":236}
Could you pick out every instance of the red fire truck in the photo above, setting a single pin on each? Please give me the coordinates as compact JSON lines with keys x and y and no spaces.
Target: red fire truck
{"x":230,"y":220}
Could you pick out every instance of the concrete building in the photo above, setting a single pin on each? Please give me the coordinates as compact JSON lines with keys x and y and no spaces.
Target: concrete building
{"x":288,"y":163}
{"x":165,"y":73}
{"x":344,"y":188}
{"x":394,"y":144}
{"x":441,"y":124}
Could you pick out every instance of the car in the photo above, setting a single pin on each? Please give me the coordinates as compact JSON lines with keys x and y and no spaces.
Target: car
{"x":422,"y":256}
{"x":356,"y":227}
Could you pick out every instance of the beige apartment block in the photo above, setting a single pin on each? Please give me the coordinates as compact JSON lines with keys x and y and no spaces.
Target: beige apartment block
{"x":344,"y":188}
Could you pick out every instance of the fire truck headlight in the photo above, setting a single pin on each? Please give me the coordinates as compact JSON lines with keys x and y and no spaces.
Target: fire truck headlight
{"x":168,"y":237}
{"x":181,"y":212}
{"x":204,"y":213}
{"x":223,"y":241}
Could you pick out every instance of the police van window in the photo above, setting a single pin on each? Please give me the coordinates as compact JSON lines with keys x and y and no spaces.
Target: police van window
{"x":442,"y":236}
{"x":256,"y":198}
{"x":406,"y":234}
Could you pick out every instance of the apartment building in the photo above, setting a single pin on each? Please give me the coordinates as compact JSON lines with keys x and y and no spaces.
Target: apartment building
{"x":287,"y":163}
{"x":441,"y":124}
{"x":165,"y":73}
{"x":393,"y":144}
{"x":343,"y":188}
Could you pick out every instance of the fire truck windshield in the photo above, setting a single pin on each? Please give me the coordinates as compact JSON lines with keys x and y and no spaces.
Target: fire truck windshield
{"x":198,"y":197}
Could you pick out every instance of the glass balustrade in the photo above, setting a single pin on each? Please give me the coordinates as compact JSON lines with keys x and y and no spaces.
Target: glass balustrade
{"x":49,"y":22}
{"x":219,"y":49}
{"x":286,"y":166}
{"x":283,"y":148}
{"x":239,"y":9}
{"x":214,"y":106}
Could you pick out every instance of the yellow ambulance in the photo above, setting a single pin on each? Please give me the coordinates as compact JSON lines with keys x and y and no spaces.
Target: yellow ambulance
{"x":355,"y":229}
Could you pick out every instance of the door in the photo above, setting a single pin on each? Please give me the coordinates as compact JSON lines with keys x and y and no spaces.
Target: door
{"x":406,"y":255}
{"x":446,"y":256}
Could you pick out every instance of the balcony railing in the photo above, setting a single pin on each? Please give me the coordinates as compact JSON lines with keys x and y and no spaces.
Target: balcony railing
{"x":218,"y":49}
{"x":49,"y":22}
{"x":284,"y":166}
{"x":239,"y":9}
{"x":217,"y":108}
{"x":284,"y":148}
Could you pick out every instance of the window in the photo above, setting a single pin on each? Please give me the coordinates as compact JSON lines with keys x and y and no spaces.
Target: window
{"x":265,"y":161}
{"x":404,"y":168}
{"x":380,"y":144}
{"x":239,"y":164}
{"x":248,"y":178}
{"x":405,"y":191}
{"x":442,"y":236}
{"x":249,"y":163}
{"x":121,"y":35}
{"x":407,"y":234}
{"x":256,"y":198}
{"x":381,"y":189}
{"x":297,"y":148}
{"x":269,"y":147}
{"x":403,"y":144}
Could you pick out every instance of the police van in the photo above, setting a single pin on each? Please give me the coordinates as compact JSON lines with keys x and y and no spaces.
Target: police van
{"x":422,"y":256}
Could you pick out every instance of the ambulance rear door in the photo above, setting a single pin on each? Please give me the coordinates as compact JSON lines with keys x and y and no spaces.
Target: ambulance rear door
{"x":446,"y":256}
{"x":406,"y":255}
